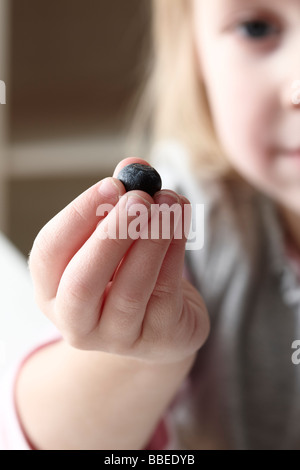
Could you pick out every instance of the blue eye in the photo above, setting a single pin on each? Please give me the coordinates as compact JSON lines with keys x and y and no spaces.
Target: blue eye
{"x":257,"y":29}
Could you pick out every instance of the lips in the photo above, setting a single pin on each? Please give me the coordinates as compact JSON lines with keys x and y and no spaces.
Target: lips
{"x":293,"y":153}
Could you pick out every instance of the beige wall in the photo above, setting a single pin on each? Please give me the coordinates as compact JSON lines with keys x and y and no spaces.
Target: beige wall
{"x":34,"y":201}
{"x":74,"y":68}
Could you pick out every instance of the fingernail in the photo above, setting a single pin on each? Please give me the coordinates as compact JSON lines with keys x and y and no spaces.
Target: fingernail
{"x":109,"y":189}
{"x":166,"y":197}
{"x":184,"y":200}
{"x":134,"y":199}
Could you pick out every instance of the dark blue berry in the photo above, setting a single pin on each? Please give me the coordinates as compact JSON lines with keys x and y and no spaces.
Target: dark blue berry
{"x":140,"y":177}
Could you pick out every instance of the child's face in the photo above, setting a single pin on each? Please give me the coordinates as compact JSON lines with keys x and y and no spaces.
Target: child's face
{"x":249,"y":55}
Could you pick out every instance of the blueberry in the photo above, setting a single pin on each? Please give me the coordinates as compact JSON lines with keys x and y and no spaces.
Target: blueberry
{"x":140,"y":177}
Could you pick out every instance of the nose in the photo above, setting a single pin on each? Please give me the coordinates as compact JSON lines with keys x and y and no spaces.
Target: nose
{"x":295,"y":93}
{"x":290,"y":95}
{"x":290,"y":79}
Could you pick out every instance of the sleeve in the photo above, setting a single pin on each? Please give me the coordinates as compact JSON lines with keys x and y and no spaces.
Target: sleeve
{"x":12,"y":433}
{"x":12,"y":436}
{"x":166,"y":436}
{"x":160,"y":439}
{"x":23,"y":329}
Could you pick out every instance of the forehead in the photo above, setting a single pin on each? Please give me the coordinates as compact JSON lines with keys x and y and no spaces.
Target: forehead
{"x":223,"y":4}
{"x":219,"y":8}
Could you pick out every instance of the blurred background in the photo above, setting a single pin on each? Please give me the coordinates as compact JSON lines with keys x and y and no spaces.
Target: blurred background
{"x":72,"y":69}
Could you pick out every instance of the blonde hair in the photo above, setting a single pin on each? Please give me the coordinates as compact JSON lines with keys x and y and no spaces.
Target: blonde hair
{"x":172,"y":103}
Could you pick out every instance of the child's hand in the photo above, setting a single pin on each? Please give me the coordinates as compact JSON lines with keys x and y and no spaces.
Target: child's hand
{"x":140,"y":307}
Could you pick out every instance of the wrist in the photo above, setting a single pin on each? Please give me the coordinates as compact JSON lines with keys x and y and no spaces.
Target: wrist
{"x":94,"y":361}
{"x":135,"y":367}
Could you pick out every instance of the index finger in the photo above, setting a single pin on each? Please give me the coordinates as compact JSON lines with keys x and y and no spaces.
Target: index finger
{"x":67,"y":232}
{"x":58,"y":242}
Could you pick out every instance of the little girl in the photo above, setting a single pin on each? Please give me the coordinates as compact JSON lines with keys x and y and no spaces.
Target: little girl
{"x":142,"y":357}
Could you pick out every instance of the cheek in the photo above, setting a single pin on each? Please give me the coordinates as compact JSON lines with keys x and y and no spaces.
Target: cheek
{"x":240,"y":101}
{"x":241,"y":115}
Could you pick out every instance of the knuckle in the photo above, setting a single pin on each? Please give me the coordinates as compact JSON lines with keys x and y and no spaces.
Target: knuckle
{"x":126,"y":304}
{"x":40,"y":250}
{"x":120,"y":348}
{"x":196,"y":324}
{"x":44,"y":305}
{"x":74,"y":338}
{"x":118,"y":243}
{"x":71,"y":330}
{"x":203,"y":325}
{"x":164,"y":289}
{"x":156,"y":329}
{"x":77,"y":290}
{"x":113,"y":342}
{"x":77,"y":212}
{"x":160,"y":245}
